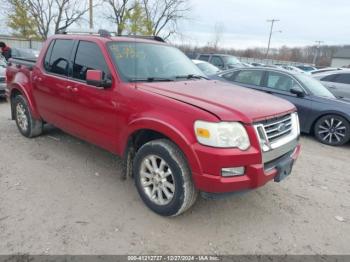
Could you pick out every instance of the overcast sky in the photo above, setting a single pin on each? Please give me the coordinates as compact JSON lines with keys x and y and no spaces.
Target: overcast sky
{"x":301,"y":21}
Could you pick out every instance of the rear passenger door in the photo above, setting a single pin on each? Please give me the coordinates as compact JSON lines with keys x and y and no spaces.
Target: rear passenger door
{"x":50,"y":88}
{"x":280,"y":84}
{"x":92,"y":109}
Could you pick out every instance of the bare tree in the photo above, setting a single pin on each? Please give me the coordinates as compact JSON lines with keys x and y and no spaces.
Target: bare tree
{"x":120,"y":10}
{"x":68,"y":13}
{"x":55,"y":14}
{"x":42,"y":12}
{"x":163,"y":15}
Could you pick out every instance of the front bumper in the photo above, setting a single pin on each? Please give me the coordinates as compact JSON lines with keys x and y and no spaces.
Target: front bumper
{"x":257,"y":172}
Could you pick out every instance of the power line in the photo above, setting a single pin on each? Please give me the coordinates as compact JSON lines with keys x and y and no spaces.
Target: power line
{"x":91,"y":21}
{"x":318,"y":42}
{"x":272,"y":21}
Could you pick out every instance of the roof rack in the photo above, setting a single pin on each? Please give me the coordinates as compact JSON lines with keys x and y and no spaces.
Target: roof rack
{"x":105,"y":33}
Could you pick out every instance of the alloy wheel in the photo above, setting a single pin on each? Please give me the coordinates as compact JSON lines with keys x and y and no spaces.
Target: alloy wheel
{"x":22,"y":118}
{"x":157,"y":180}
{"x":332,"y":130}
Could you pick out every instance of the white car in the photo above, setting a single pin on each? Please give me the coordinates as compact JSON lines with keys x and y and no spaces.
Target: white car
{"x":207,"y":68}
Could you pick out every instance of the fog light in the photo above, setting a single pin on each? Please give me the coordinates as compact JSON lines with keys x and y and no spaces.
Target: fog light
{"x":233,"y":171}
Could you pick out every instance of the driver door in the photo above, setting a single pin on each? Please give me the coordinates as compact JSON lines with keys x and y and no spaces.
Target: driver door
{"x":92,"y":109}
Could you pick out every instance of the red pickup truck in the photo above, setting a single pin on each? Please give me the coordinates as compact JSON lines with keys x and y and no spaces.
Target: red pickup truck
{"x":178,"y":132}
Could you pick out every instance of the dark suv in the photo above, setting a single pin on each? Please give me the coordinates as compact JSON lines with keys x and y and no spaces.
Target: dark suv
{"x":224,"y":62}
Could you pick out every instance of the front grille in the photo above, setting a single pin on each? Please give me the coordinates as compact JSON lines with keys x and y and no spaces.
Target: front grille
{"x":2,"y":79}
{"x":277,"y":128}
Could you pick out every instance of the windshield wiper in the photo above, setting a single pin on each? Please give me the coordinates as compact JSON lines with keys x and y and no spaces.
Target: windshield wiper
{"x":192,"y":76}
{"x":151,"y":79}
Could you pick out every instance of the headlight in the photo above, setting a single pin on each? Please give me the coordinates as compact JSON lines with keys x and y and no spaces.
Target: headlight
{"x":222,"y":134}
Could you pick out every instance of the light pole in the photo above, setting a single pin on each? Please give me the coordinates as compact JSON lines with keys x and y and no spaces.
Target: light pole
{"x":91,"y":21}
{"x":272,"y":21}
{"x":317,"y":51}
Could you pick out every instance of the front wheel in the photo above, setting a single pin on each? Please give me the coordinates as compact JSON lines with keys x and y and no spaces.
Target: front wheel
{"x":332,"y":130}
{"x":163,"y":179}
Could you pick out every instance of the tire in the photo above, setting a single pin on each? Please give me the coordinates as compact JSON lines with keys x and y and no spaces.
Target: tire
{"x":332,"y":130}
{"x":26,"y":124}
{"x":156,"y":165}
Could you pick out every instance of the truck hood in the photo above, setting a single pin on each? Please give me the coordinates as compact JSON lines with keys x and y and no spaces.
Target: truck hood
{"x":227,"y":101}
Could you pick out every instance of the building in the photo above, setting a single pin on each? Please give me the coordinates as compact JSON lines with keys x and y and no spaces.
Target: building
{"x":341,"y":58}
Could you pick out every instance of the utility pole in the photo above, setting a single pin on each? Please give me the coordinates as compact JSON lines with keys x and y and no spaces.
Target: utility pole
{"x":91,"y":21}
{"x":317,"y":51}
{"x":272,"y":21}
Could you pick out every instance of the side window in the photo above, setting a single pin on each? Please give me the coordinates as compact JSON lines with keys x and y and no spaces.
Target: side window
{"x":329,"y":78}
{"x":59,"y":60}
{"x":343,"y":78}
{"x":217,"y":61}
{"x":229,"y":76}
{"x":250,"y":77}
{"x":88,"y":57}
{"x":281,"y":82}
{"x":204,"y":58}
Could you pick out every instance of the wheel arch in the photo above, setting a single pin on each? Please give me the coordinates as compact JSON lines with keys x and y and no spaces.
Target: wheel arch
{"x":146,"y":130}
{"x":16,"y":89}
{"x":312,"y":127}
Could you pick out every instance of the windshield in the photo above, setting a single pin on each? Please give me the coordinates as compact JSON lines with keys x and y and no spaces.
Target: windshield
{"x":151,"y":62}
{"x":231,"y":60}
{"x":208,"y":69}
{"x":315,"y":86}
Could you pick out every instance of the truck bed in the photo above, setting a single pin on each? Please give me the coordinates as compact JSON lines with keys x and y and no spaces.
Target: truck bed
{"x":19,"y":62}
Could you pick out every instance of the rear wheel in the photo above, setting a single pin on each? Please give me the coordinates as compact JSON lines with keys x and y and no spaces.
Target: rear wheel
{"x":332,"y":130}
{"x":163,"y":179}
{"x":26,"y":124}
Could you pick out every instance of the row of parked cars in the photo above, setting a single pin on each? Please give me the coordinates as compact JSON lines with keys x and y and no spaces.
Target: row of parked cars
{"x":321,"y":96}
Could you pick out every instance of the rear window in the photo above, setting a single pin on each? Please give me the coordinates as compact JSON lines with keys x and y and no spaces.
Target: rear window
{"x":329,"y":78}
{"x":343,"y":78}
{"x":204,"y":58}
{"x":58,"y":62}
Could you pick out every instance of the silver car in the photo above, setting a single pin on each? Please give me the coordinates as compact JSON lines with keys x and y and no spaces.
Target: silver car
{"x":2,"y":77}
{"x":338,"y":82}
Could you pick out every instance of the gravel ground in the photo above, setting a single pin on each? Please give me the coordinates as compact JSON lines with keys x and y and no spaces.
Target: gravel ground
{"x":60,"y":195}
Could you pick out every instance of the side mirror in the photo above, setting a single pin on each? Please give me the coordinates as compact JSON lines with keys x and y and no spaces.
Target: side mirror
{"x":297,"y":92}
{"x":95,"y":78}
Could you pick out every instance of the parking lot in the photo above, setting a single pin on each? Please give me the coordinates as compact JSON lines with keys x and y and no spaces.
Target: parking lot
{"x":60,"y":195}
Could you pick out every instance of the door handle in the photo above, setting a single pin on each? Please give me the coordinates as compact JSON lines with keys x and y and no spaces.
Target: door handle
{"x":75,"y":89}
{"x":69,"y":88}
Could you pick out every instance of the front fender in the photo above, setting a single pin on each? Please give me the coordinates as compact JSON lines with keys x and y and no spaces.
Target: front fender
{"x":179,"y":134}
